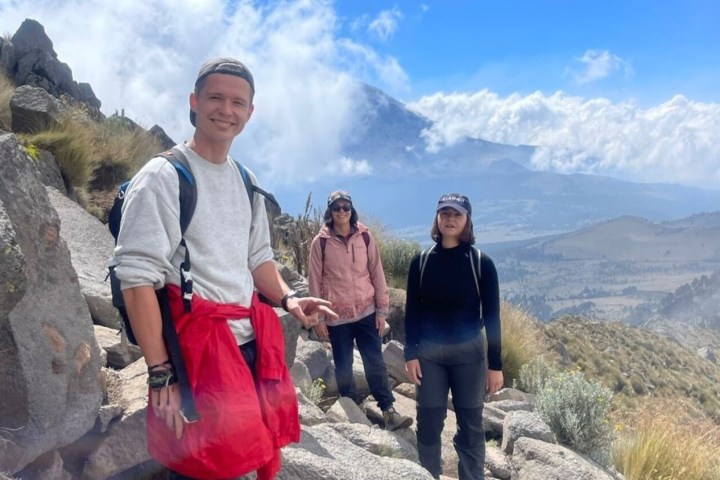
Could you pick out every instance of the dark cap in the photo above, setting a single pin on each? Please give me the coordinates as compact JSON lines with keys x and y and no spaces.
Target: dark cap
{"x":455,"y":200}
{"x":338,"y":195}
{"x":228,"y":66}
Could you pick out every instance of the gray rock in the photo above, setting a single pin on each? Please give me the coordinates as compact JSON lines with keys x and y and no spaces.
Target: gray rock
{"x":165,"y":140}
{"x":393,"y":354}
{"x":396,"y":315}
{"x":493,"y":418}
{"x":345,"y":410}
{"x":708,"y":354}
{"x":537,"y":460}
{"x":89,"y":253}
{"x":47,"y":466}
{"x":524,"y":424}
{"x":301,"y":376}
{"x":291,"y":330}
{"x":513,"y":406}
{"x":314,"y":355}
{"x":310,"y":414}
{"x":7,"y":57}
{"x":125,"y":444}
{"x":497,"y":463}
{"x":325,"y":453}
{"x":49,"y":359}
{"x":50,"y":174}
{"x":116,"y":346}
{"x":377,"y":441}
{"x":30,"y":37}
{"x":33,"y":109}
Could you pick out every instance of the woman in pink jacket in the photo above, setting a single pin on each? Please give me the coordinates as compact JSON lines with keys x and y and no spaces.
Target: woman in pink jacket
{"x":345,"y":268}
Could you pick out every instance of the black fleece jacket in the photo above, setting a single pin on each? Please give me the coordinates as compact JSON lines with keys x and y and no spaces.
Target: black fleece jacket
{"x":446,"y":307}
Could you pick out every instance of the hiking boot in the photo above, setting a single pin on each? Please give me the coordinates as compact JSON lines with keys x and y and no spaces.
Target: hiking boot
{"x":393,"y":420}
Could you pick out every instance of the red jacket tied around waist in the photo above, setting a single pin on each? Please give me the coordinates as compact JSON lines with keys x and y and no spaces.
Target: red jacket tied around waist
{"x":243,"y":424}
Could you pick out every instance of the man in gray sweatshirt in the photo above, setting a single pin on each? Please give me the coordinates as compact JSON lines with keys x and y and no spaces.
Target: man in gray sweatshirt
{"x":229,"y":239}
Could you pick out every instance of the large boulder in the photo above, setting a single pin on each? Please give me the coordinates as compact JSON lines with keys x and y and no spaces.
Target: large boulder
{"x":90,"y":244}
{"x":537,"y":460}
{"x":7,"y":57}
{"x":49,"y":359}
{"x":325,"y":453}
{"x":396,"y":316}
{"x":33,"y":109}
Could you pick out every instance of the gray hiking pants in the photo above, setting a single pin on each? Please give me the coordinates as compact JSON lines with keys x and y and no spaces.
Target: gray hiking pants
{"x":460,"y":368}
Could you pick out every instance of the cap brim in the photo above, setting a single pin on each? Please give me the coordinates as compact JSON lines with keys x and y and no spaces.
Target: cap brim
{"x":452,"y":205}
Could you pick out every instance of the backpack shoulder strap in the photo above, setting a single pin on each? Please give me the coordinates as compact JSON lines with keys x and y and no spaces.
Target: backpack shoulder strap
{"x":366,"y":238}
{"x":188,"y":187}
{"x":475,"y":255}
{"x":252,"y":188}
{"x":424,"y":255}
{"x":323,"y":242}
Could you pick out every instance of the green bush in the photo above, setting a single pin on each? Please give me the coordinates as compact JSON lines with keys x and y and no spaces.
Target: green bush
{"x":576,"y":409}
{"x":396,"y":254}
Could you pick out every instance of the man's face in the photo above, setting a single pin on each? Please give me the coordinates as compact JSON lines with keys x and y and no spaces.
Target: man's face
{"x":222,"y":107}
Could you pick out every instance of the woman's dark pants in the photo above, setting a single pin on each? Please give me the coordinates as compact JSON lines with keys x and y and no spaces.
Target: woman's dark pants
{"x":459,"y":368}
{"x":364,"y":333}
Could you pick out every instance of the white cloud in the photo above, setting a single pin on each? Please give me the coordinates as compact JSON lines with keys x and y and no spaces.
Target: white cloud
{"x":677,"y":141}
{"x":348,"y":167}
{"x":143,"y":57}
{"x":599,"y":64}
{"x":384,"y":25}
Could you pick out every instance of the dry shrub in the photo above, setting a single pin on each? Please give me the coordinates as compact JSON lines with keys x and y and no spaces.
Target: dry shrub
{"x":523,"y":340}
{"x":667,"y":440}
{"x":7,"y":89}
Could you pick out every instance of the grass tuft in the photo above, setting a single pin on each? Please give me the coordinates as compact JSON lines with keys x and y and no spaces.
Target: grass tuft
{"x":522,"y":341}
{"x":7,"y":89}
{"x":667,"y":440}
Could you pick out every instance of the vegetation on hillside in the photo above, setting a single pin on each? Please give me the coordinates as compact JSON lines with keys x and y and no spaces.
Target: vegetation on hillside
{"x":575,"y":408}
{"x":667,"y":439}
{"x":94,"y":157}
{"x":522,"y":340}
{"x":635,"y":363}
{"x":7,"y":88}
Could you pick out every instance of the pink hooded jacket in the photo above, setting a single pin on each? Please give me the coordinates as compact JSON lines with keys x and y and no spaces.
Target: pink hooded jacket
{"x":351,"y":277}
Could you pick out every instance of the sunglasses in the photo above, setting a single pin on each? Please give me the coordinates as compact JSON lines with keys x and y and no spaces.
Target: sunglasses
{"x":344,"y":208}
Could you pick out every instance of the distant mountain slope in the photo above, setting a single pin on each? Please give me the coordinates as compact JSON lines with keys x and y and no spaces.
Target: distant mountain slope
{"x":636,"y":239}
{"x":622,"y":269}
{"x":635,"y":362}
{"x":511,"y":200}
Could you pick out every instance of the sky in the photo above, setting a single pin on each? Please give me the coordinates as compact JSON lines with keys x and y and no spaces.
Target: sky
{"x":627,"y":88}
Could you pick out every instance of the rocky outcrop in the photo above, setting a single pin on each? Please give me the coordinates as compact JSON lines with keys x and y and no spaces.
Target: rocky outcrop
{"x":35,"y":63}
{"x":49,"y":359}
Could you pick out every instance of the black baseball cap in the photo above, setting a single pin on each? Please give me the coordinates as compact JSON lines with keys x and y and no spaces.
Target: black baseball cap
{"x":455,"y":200}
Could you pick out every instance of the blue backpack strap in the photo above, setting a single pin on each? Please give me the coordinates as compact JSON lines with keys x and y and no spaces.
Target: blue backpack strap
{"x":188,"y":187}
{"x":251,"y":188}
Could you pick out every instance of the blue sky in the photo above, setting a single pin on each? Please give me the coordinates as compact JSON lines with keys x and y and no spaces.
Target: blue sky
{"x":624,"y":88}
{"x":508,"y":46}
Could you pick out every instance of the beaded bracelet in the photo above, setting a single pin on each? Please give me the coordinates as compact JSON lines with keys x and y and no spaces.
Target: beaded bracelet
{"x":158,"y":380}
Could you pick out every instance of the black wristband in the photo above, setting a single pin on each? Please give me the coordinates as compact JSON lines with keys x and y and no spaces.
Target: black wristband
{"x":286,"y":297}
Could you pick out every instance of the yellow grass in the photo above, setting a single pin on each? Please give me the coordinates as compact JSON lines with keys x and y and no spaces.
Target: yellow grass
{"x":522,"y":340}
{"x":7,"y":88}
{"x":667,"y":440}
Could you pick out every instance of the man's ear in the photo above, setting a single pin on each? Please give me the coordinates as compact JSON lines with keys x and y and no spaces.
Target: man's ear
{"x":193,"y":101}
{"x":250,"y":111}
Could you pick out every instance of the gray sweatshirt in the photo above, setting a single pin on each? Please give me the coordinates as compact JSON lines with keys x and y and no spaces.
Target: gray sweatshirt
{"x":225,"y":246}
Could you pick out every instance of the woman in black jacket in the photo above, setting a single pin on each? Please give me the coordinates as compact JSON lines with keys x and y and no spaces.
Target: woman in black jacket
{"x":452,"y":293}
